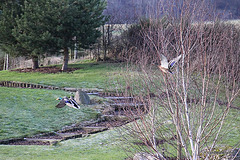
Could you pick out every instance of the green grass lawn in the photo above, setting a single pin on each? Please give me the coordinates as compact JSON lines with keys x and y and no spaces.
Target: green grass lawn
{"x":89,"y":75}
{"x":101,"y":146}
{"x":30,"y":111}
{"x":26,"y":112}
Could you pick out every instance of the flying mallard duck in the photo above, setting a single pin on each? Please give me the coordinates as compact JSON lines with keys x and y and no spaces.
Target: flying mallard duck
{"x":167,"y":66}
{"x":67,"y":101}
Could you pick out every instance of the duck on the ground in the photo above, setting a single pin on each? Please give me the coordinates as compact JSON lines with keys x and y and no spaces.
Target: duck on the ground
{"x":167,"y":66}
{"x":67,"y":101}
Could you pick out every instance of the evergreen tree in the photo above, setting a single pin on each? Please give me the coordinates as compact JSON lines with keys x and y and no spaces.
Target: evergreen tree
{"x":9,"y":9}
{"x":47,"y":26}
{"x":77,"y":24}
{"x":33,"y":29}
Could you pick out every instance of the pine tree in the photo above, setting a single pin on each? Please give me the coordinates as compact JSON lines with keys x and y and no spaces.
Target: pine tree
{"x":33,"y":29}
{"x":49,"y":26}
{"x":9,"y":9}
{"x":77,"y":24}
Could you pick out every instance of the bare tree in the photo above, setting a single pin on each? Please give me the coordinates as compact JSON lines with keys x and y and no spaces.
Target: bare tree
{"x":186,"y":110}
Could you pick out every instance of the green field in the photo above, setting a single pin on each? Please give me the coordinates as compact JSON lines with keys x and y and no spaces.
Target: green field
{"x":89,"y":75}
{"x":101,"y":146}
{"x":25,"y":112}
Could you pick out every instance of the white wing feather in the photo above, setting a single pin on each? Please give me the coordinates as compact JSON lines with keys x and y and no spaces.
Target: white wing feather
{"x":164,"y":61}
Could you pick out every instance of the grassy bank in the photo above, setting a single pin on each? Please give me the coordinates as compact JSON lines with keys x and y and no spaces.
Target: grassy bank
{"x":26,"y":112}
{"x":30,"y":111}
{"x":101,"y":146}
{"x":89,"y":75}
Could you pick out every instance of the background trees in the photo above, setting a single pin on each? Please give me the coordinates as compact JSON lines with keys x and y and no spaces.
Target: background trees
{"x":77,"y":25}
{"x":33,"y":29}
{"x":50,"y":26}
{"x":8,"y":11}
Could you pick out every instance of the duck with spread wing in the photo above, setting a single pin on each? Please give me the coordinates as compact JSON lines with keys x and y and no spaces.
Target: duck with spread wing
{"x":167,"y":66}
{"x":67,"y":101}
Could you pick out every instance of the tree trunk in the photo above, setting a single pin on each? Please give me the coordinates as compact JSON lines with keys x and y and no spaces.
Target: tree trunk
{"x":4,"y":62}
{"x":35,"y":62}
{"x":7,"y":61}
{"x":104,"y":43}
{"x":65,"y":59}
{"x":179,"y":148}
{"x":98,"y":53}
{"x":75,"y":52}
